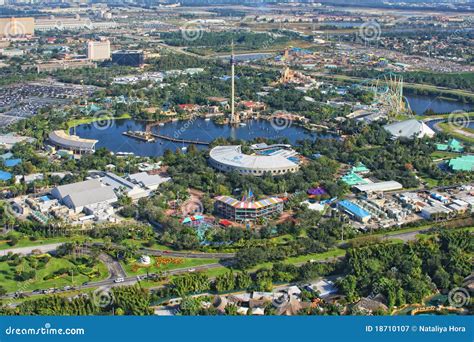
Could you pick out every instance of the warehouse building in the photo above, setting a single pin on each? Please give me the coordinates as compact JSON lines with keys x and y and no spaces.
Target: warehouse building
{"x":379,"y":187}
{"x":89,"y":193}
{"x":354,"y":211}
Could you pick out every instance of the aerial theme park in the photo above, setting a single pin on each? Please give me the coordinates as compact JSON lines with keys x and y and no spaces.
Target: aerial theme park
{"x":198,"y":163}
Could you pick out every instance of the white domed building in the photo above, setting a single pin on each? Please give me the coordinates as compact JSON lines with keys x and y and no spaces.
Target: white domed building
{"x":276,"y":161}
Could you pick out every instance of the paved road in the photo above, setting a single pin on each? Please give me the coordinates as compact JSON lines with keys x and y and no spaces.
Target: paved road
{"x":113,"y":266}
{"x":196,"y":255}
{"x":115,"y":273}
{"x":27,"y":250}
{"x":408,"y":236}
{"x":177,"y":254}
{"x":53,"y":246}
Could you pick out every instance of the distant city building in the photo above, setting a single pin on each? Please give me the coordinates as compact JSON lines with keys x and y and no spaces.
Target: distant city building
{"x":62,"y":23}
{"x":62,"y":65}
{"x":98,"y":50}
{"x":134,"y":58}
{"x":17,"y":27}
{"x":241,"y":211}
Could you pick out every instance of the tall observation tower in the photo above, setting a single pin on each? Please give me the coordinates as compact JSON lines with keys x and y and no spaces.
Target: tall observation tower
{"x":234,"y":117}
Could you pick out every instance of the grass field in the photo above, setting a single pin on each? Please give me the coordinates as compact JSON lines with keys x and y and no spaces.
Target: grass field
{"x":7,"y":274}
{"x":24,"y":241}
{"x":77,"y":122}
{"x":161,"y":264}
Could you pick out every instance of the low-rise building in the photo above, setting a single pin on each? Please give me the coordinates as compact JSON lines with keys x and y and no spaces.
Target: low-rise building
{"x":78,"y":195}
{"x":241,"y":211}
{"x":354,"y":211}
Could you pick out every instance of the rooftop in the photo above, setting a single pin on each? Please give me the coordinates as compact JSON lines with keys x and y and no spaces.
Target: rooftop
{"x":73,"y":141}
{"x":464,"y":163}
{"x":248,"y":204}
{"x":409,"y":129}
{"x":233,"y":156}
{"x":354,"y":209}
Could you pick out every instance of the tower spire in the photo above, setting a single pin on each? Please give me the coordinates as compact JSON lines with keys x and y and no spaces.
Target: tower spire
{"x":233,"y":117}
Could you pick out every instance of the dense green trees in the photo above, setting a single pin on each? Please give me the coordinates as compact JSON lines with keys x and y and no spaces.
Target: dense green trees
{"x":406,"y":273}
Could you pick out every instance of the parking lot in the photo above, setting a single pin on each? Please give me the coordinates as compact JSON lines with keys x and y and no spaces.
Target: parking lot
{"x":25,"y":100}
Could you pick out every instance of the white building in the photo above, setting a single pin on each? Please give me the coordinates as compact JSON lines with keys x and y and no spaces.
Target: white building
{"x":98,"y":50}
{"x":230,"y":158}
{"x":409,"y":129}
{"x":147,"y":181}
{"x":88,"y":193}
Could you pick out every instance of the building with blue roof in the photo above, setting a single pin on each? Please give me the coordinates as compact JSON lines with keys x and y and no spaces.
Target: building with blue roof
{"x":354,"y":211}
{"x":5,"y":176}
{"x":12,"y":162}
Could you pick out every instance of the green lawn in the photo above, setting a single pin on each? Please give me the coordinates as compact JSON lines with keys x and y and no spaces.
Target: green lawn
{"x":7,"y":274}
{"x":154,"y":268}
{"x":77,"y":122}
{"x":444,"y":155}
{"x":25,"y":241}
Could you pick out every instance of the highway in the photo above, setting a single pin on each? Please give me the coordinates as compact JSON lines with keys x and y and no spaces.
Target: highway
{"x":116,"y":270}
